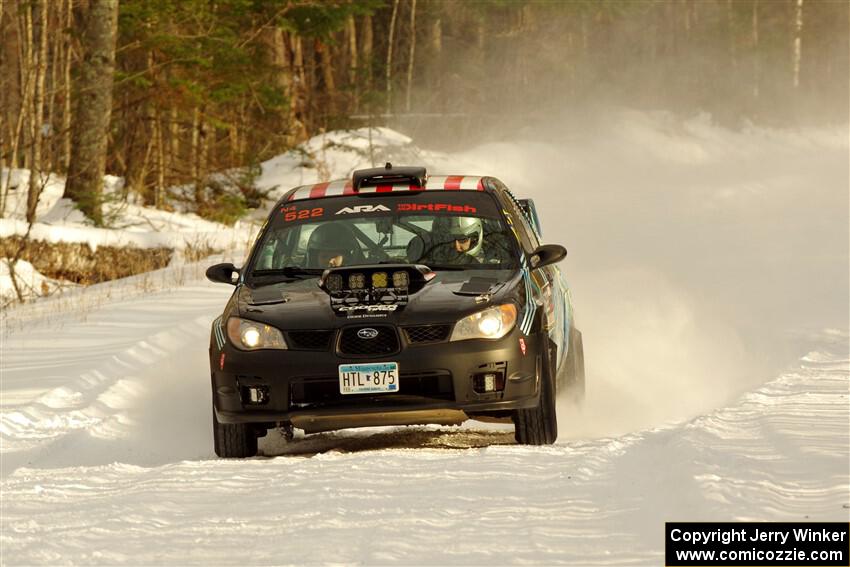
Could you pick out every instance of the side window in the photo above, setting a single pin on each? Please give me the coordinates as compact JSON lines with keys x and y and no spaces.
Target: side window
{"x":518,"y":220}
{"x":531,"y":235}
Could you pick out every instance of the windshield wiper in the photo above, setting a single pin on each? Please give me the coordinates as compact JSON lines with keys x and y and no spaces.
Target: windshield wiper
{"x":293,"y":272}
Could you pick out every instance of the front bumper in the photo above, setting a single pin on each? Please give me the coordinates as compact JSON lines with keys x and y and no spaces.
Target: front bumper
{"x":303,"y":385}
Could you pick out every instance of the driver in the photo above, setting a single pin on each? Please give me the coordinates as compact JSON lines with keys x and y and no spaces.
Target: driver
{"x":329,"y":246}
{"x":461,"y":240}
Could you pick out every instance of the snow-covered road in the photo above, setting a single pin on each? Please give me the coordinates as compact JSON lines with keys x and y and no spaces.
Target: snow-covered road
{"x":711,"y":394}
{"x":108,"y":459}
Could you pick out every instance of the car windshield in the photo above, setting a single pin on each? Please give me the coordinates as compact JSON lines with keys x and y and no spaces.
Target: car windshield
{"x":445,"y":231}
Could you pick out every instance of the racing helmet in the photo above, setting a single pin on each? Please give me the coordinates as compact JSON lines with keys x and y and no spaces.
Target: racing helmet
{"x":330,"y":238}
{"x":460,"y":228}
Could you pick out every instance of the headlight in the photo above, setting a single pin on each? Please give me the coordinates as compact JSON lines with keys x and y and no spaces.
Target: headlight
{"x":491,"y":323}
{"x":250,"y":335}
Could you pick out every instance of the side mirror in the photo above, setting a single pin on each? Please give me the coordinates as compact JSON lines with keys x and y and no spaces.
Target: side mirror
{"x":222,"y":273}
{"x":547,"y":254}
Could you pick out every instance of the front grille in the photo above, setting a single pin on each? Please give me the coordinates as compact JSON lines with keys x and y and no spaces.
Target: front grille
{"x":324,"y":392}
{"x":309,"y":340}
{"x":427,"y":333}
{"x":385,"y":342}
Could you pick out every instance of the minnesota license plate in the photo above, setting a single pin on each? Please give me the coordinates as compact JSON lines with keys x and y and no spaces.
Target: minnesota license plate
{"x":371,"y":378}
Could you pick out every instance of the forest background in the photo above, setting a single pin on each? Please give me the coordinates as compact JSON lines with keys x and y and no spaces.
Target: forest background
{"x":196,"y":93}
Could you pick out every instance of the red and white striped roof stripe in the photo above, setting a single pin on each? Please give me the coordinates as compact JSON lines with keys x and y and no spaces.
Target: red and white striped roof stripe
{"x":344,"y":187}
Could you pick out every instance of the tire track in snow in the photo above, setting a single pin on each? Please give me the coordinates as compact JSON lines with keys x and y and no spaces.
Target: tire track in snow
{"x":388,"y":495}
{"x":107,"y":392}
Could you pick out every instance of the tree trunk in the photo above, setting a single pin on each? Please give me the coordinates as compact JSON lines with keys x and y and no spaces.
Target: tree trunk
{"x":351,"y":30}
{"x":173,"y":142}
{"x":66,"y":86}
{"x":730,"y":29}
{"x":51,"y":94}
{"x":436,"y":37}
{"x":28,"y":69}
{"x":203,"y":160}
{"x":13,"y":91}
{"x":368,"y":47}
{"x":193,"y":155}
{"x":300,"y":111}
{"x":90,"y":125}
{"x":327,"y":72}
{"x":283,"y":66}
{"x":434,"y":63}
{"x":755,"y":41}
{"x":37,"y":116}
{"x":159,"y":186}
{"x":410,"y":56}
{"x":390,"y":57}
{"x":798,"y":42}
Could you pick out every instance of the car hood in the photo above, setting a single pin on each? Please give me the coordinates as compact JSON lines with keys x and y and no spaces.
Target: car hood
{"x":449,"y":296}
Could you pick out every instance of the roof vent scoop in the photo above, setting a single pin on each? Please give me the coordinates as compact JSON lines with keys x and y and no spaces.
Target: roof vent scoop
{"x":388,"y":175}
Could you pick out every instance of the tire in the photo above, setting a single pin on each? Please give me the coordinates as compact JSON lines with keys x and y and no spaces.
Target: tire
{"x":539,"y":425}
{"x":575,"y":367}
{"x":234,"y":440}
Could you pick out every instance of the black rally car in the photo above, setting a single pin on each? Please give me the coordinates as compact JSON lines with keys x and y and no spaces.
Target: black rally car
{"x":394,"y":298}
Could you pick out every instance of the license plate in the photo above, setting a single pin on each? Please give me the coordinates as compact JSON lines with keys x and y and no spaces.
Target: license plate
{"x":371,"y":378}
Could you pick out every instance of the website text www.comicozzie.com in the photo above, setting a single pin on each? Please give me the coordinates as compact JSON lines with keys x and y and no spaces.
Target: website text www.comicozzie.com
{"x":759,"y":555}
{"x":778,"y":543}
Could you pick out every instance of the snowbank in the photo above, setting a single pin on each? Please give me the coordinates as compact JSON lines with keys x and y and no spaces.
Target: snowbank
{"x":335,"y":155}
{"x":30,"y":282}
{"x":330,"y":155}
{"x":326,"y":156}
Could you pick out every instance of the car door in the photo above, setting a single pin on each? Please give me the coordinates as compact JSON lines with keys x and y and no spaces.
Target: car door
{"x":547,"y":283}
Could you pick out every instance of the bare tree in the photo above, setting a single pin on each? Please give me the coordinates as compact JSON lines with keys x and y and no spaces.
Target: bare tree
{"x":326,"y":64}
{"x":68,"y":18}
{"x":93,"y":108}
{"x":390,"y":57}
{"x":798,"y":41}
{"x":755,"y":42}
{"x":37,"y":111}
{"x":351,"y":32}
{"x":410,"y":54}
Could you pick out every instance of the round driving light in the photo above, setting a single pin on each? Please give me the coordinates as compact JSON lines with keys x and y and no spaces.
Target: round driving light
{"x":379,"y":279}
{"x":356,"y":281}
{"x":489,"y":326}
{"x":250,"y":337}
{"x":334,"y":282}
{"x":401,"y":279}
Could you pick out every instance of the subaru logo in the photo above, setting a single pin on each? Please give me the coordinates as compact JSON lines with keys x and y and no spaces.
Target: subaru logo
{"x":367,"y":333}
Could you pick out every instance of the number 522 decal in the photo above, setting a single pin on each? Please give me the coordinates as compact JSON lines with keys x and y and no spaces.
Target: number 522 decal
{"x":290,"y":214}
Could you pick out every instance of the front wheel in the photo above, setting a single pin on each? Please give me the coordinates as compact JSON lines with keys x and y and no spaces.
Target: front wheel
{"x":539,"y":425}
{"x":234,"y":440}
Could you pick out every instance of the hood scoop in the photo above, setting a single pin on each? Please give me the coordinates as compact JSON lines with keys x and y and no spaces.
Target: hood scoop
{"x":269,"y":295}
{"x":479,"y":286}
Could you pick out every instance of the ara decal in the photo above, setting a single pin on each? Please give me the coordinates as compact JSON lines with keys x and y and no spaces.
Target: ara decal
{"x":362,"y":209}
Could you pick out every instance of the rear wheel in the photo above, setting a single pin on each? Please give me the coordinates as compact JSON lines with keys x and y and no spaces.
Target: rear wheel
{"x":539,"y":425}
{"x":234,"y":440}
